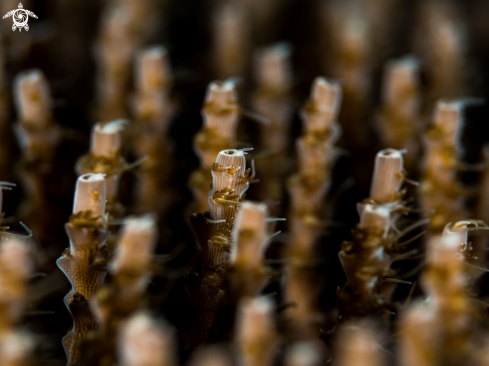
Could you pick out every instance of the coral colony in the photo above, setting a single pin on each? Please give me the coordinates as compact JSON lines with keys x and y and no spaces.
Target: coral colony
{"x":244,"y":182}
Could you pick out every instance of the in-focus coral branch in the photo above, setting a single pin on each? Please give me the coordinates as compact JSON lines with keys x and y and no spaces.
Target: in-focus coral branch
{"x":105,"y":158}
{"x":213,"y":230}
{"x":388,"y":177}
{"x":367,"y":258}
{"x":84,"y":262}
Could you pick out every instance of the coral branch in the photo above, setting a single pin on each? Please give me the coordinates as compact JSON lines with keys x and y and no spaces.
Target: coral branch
{"x":358,"y":344}
{"x":130,"y":273}
{"x":154,"y":110}
{"x":39,"y":138}
{"x":16,"y":345}
{"x":446,"y":317}
{"x":83,"y":262}
{"x":255,"y":335}
{"x":316,"y":154}
{"x":442,"y":41}
{"x":212,"y":356}
{"x":350,"y":59}
{"x":221,"y":115}
{"x":125,"y":25}
{"x":131,"y":264}
{"x":37,"y":135}
{"x":231,"y":38}
{"x":364,"y":261}
{"x":304,"y":354}
{"x":388,"y":176}
{"x":105,"y":157}
{"x":15,"y":268}
{"x":398,"y":119}
{"x":90,"y":195}
{"x":272,"y":99}
{"x":440,"y":190}
{"x":247,"y":274}
{"x":213,"y":231}
{"x":308,"y":188}
{"x":33,"y":98}
{"x":143,"y":341}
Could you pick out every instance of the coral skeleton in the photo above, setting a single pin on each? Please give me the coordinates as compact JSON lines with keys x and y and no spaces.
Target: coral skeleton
{"x":84,"y":262}
{"x":367,"y":259}
{"x":105,"y":158}
{"x":213,"y":229}
{"x":387,"y":178}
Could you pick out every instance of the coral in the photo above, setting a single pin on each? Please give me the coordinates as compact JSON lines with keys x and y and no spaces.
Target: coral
{"x":84,"y":262}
